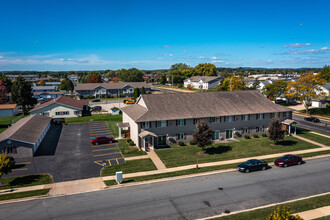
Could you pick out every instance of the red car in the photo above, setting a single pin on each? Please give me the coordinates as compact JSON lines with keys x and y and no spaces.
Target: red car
{"x":288,"y":160}
{"x":102,"y":140}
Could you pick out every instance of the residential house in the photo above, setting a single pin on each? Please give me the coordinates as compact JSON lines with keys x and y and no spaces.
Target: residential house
{"x":7,"y":110}
{"x":162,"y":119}
{"x":48,"y":95}
{"x":62,"y":107}
{"x":23,"y":138}
{"x":99,"y":90}
{"x":322,"y":102}
{"x":26,"y":77}
{"x":56,"y":84}
{"x":203,"y":82}
{"x":43,"y":88}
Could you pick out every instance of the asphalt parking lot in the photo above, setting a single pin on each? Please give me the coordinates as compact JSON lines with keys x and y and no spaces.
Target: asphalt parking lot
{"x":67,"y":153}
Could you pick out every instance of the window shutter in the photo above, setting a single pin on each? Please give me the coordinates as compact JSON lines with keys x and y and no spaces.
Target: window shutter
{"x":176,"y":122}
{"x":166,"y":123}
{"x":257,"y":116}
{"x":156,"y":124}
{"x":234,"y":118}
{"x":185,"y":136}
{"x":194,"y":121}
{"x":263,"y":116}
{"x":219,"y":119}
{"x":184,"y":121}
{"x":249,"y":117}
{"x":242,"y":117}
{"x":149,"y":124}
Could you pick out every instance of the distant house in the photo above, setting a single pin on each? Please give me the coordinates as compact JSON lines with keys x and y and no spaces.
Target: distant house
{"x":56,"y":84}
{"x":99,"y":90}
{"x":43,"y":89}
{"x":62,"y":107}
{"x":23,"y":138}
{"x":7,"y":110}
{"x":115,"y":111}
{"x":26,"y":77}
{"x":48,"y":95}
{"x":203,"y":82}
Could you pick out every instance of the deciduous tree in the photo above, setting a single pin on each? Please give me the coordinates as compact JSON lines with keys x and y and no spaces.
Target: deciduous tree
{"x":21,"y":94}
{"x":275,"y":131}
{"x":3,"y":93}
{"x":95,"y":78}
{"x":202,"y":135}
{"x":67,"y":85}
{"x":233,"y":83}
{"x":7,"y":82}
{"x":41,"y":83}
{"x":6,"y":165}
{"x":325,"y":73}
{"x":275,"y":89}
{"x":131,"y":75}
{"x":205,"y":69}
{"x":306,"y":88}
{"x":179,"y":66}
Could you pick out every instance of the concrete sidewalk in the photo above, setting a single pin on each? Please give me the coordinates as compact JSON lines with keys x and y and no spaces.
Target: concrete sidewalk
{"x":314,"y":213}
{"x":323,"y":135}
{"x":155,"y":159}
{"x":310,"y":141}
{"x":218,"y":163}
{"x":137,"y":157}
{"x":24,"y":189}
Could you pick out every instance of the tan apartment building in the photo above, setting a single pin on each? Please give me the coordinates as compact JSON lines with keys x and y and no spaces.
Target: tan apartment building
{"x":162,"y":119}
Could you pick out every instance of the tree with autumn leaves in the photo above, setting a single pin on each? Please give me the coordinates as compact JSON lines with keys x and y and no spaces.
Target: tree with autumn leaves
{"x":233,"y":83}
{"x":3,"y":93}
{"x":306,"y":88}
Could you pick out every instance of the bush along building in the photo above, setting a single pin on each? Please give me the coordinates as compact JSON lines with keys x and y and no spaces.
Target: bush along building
{"x":161,"y":119}
{"x":103,"y":90}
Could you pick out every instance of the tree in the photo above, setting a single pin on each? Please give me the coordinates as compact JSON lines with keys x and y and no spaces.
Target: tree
{"x":306,"y":88}
{"x":143,"y":90}
{"x":205,"y":69}
{"x":283,"y":213}
{"x":3,"y":93}
{"x":6,"y":165}
{"x":233,"y":83}
{"x":41,"y":83}
{"x":115,"y":80}
{"x":162,"y":79}
{"x":275,"y":131}
{"x":67,"y":85}
{"x":256,"y":84}
{"x":202,"y":135}
{"x":188,"y":73}
{"x":131,"y":75}
{"x":179,"y":66}
{"x":275,"y":89}
{"x":21,"y":94}
{"x":136,"y":93}
{"x":95,"y":78}
{"x":325,"y":73}
{"x":7,"y":82}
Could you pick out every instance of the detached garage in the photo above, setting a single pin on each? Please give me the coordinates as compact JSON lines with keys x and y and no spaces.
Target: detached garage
{"x":23,"y":138}
{"x":7,"y":110}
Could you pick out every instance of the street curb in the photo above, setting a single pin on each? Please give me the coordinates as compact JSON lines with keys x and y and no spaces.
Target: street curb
{"x":261,"y":207}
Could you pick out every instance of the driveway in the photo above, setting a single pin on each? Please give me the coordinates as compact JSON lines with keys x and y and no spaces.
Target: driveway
{"x":67,"y":154}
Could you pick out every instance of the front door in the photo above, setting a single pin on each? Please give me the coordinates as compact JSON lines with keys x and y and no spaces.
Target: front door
{"x":229,"y":134}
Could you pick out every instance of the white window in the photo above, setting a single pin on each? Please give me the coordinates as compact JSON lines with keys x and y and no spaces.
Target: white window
{"x":272,"y":115}
{"x":245,"y":130}
{"x":180,"y":122}
{"x":215,"y":120}
{"x":245,"y":117}
{"x":45,"y":113}
{"x":62,"y":113}
{"x":215,"y":135}
{"x":230,"y":118}
{"x":284,"y":114}
{"x":259,"y":128}
{"x":161,"y":140}
{"x":260,"y":116}
{"x":145,"y":124}
{"x":180,"y":136}
{"x":161,"y":123}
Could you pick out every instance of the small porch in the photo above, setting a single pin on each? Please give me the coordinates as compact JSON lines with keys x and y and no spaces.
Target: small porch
{"x":148,"y":140}
{"x":290,"y":126}
{"x":126,"y":128}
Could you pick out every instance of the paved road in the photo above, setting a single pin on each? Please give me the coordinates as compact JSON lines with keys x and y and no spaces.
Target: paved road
{"x":311,"y":125}
{"x":187,"y":198}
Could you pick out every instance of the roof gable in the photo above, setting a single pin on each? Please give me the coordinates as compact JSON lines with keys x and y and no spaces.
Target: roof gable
{"x":63,"y":100}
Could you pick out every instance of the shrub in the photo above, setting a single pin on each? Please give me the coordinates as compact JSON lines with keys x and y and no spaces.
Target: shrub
{"x":246,"y":136}
{"x":283,"y":213}
{"x":129,"y":140}
{"x":181,"y":143}
{"x":131,"y":143}
{"x":256,"y":136}
{"x":264,"y":135}
{"x":180,"y":85}
{"x":192,"y":142}
{"x":328,"y":105}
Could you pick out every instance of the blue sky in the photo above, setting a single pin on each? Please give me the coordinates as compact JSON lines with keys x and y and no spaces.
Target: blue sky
{"x":92,"y":35}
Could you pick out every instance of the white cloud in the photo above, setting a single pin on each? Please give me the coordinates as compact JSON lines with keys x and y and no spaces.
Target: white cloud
{"x":296,"y":45}
{"x":159,"y":58}
{"x":218,"y":61}
{"x":325,"y":48}
{"x":207,"y":58}
{"x":168,"y":55}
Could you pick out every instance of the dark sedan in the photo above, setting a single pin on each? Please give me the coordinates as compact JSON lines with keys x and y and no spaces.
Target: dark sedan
{"x":96,"y":100}
{"x":288,"y":160}
{"x":96,"y":108}
{"x":252,"y":165}
{"x":312,"y":119}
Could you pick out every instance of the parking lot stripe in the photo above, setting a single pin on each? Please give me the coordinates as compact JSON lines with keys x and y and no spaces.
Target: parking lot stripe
{"x":100,"y":134}
{"x":102,"y":145}
{"x":117,"y":161}
{"x":98,"y":163}
{"x":22,"y":163}
{"x":104,"y":149}
{"x":99,"y":155}
{"x":109,"y":163}
{"x":19,"y":169}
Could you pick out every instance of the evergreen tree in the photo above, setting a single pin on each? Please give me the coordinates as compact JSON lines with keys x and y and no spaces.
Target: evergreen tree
{"x":67,"y":85}
{"x":143,"y":91}
{"x":275,"y":131}
{"x":21,"y":94}
{"x":3,"y":93}
{"x":202,"y":134}
{"x":136,"y":93}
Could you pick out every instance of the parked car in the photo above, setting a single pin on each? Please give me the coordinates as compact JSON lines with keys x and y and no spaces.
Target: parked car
{"x":96,"y":100}
{"x":312,"y":119}
{"x":288,"y":160}
{"x":96,"y":108}
{"x":252,"y":165}
{"x":102,"y":140}
{"x":128,"y":101}
{"x":280,"y":101}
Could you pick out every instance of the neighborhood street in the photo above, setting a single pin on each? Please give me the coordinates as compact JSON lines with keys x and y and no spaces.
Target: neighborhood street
{"x":322,"y":126}
{"x":187,"y":198}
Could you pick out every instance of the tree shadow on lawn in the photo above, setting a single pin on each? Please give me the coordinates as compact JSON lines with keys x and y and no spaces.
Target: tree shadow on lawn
{"x":217,"y":150}
{"x":287,"y":143}
{"x":24,"y":180}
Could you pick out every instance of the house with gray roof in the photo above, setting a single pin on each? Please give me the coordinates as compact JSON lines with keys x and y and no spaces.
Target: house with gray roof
{"x":100,"y":90}
{"x":23,"y":138}
{"x":43,"y":89}
{"x":161,"y":119}
{"x":203,"y":82}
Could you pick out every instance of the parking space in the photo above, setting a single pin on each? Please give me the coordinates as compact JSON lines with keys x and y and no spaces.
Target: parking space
{"x":104,"y":154}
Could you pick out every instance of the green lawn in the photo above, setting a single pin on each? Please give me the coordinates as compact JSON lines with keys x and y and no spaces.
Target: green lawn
{"x":185,"y":155}
{"x":23,"y":181}
{"x":19,"y":195}
{"x":7,"y":120}
{"x":129,"y":151}
{"x":314,"y":137}
{"x":318,"y":111}
{"x":200,"y":170}
{"x":297,"y":206}
{"x":130,"y":166}
{"x":111,"y":120}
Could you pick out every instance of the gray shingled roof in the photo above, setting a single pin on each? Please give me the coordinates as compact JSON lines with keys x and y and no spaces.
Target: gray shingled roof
{"x":205,"y":79}
{"x":27,"y":129}
{"x":197,"y":105}
{"x":119,"y":85}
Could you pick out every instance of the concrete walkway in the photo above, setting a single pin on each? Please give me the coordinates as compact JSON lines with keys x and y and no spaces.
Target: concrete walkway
{"x":218,"y":163}
{"x":309,"y":141}
{"x":24,"y":189}
{"x":155,"y":159}
{"x":137,"y":157}
{"x":315,"y":213}
{"x":323,"y":135}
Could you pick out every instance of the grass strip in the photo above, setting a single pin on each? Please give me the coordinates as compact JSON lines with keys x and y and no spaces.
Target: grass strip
{"x":19,"y":195}
{"x":129,"y":151}
{"x":297,"y":206}
{"x":24,"y":181}
{"x":200,"y":170}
